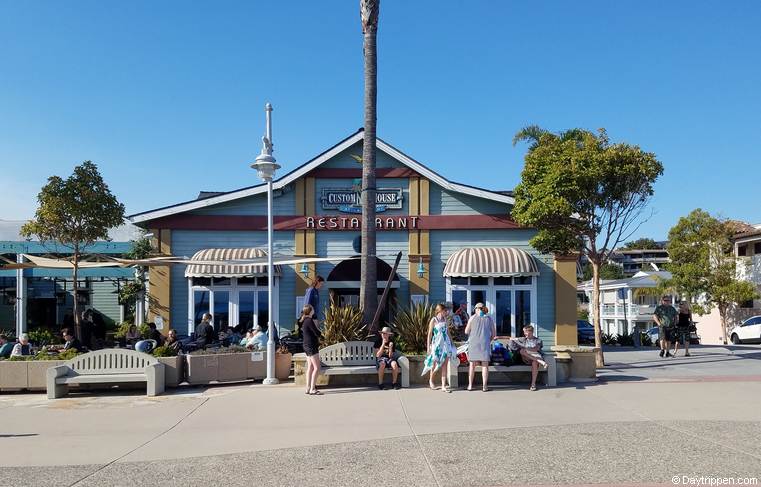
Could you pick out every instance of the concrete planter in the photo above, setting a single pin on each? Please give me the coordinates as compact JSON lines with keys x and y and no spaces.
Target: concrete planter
{"x":13,"y":375}
{"x":37,"y":373}
{"x":174,"y":372}
{"x":417,"y":363}
{"x":282,"y":366}
{"x":233,"y":367}
{"x":578,"y":363}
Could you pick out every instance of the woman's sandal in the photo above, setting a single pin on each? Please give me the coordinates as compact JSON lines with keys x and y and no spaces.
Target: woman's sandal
{"x":432,"y":386}
{"x":486,"y":389}
{"x":532,"y":388}
{"x":315,"y":393}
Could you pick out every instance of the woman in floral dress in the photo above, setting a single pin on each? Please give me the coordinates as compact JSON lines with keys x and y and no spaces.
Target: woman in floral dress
{"x":440,"y":348}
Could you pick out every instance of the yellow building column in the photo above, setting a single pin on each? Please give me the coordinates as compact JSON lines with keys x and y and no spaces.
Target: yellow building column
{"x":419,"y":240}
{"x":159,"y":280}
{"x":565,"y":299}
{"x":306,"y":240}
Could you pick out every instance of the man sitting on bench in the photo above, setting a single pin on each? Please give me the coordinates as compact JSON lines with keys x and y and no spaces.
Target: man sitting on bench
{"x":386,"y":356}
{"x":528,"y":349}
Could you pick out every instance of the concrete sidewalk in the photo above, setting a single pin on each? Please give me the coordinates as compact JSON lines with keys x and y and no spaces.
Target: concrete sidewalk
{"x":618,"y":430}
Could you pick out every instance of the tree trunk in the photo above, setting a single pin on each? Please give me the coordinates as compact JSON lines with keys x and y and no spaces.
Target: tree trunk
{"x":368,"y":293}
{"x":599,"y":358}
{"x":77,"y":325}
{"x":723,"y":319}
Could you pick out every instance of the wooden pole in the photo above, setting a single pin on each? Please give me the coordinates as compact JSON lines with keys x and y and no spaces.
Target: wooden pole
{"x":382,"y":303}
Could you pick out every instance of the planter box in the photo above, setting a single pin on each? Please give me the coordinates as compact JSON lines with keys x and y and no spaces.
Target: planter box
{"x":174,"y":372}
{"x":13,"y":375}
{"x":37,"y":373}
{"x":282,"y":366}
{"x":232,"y":367}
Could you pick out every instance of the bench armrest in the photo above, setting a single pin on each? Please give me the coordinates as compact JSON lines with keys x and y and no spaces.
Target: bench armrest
{"x":57,"y":371}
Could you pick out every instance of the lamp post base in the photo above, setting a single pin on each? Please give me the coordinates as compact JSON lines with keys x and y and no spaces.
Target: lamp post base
{"x":269,"y":382}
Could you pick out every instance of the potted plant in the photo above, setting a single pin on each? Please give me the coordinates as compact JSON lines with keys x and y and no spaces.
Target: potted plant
{"x":282,"y":363}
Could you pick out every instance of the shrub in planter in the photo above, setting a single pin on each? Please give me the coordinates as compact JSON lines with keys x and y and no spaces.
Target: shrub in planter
{"x":124,"y":326}
{"x":164,"y":351}
{"x":411,"y":327}
{"x":625,"y":340}
{"x":43,"y":336}
{"x":343,"y":324}
{"x":645,"y":340}
{"x":608,"y":339}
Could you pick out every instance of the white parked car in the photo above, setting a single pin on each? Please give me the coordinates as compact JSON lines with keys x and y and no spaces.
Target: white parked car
{"x":747,"y":332}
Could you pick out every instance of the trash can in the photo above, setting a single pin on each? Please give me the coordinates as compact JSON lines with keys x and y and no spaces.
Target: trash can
{"x":637,"y":337}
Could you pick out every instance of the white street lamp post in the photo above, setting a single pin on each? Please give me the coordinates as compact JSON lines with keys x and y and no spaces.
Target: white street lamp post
{"x":266,"y":166}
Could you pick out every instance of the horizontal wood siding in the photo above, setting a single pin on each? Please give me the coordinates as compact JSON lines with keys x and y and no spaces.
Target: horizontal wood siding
{"x":321,"y":184}
{"x":444,"y":202}
{"x":104,"y":299}
{"x":344,"y":159}
{"x":283,"y":203}
{"x":445,"y":243}
{"x":187,"y":243}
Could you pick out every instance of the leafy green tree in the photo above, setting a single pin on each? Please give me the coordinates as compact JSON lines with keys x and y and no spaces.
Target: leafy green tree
{"x":608,"y":271}
{"x":642,"y":244}
{"x":75,"y":213}
{"x":134,"y":291}
{"x":368,"y":292}
{"x":583,"y":193}
{"x":703,"y":266}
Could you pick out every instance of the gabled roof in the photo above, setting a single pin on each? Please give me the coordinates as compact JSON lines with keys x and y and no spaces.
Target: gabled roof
{"x":313,"y":164}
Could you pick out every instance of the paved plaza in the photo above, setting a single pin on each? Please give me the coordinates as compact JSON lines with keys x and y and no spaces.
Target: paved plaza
{"x":645,"y":421}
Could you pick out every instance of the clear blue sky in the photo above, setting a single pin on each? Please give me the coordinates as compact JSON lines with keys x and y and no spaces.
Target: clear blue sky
{"x":167,"y":97}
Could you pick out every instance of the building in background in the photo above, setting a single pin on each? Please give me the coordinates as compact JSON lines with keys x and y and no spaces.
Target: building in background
{"x":458,"y":244}
{"x":747,"y":248}
{"x":636,"y":260}
{"x":43,"y":298}
{"x":626,"y":304}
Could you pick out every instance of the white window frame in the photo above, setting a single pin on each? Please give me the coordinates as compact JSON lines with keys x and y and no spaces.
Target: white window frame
{"x":491,"y":297}
{"x":233,"y":300}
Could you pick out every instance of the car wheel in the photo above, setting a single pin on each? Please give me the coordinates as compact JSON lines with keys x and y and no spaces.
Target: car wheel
{"x":736,"y":339}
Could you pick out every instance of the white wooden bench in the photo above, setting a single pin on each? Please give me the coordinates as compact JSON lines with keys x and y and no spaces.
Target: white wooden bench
{"x":108,"y":366}
{"x":550,"y":371}
{"x":350,"y":358}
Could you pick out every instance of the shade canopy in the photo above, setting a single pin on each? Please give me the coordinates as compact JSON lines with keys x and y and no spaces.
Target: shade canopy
{"x":490,"y":262}
{"x":225,"y":265}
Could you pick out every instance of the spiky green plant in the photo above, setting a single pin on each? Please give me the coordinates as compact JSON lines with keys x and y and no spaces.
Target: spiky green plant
{"x":343,"y":324}
{"x":411,"y":325}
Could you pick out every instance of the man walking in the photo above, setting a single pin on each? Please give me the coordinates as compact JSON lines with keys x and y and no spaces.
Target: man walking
{"x":665,"y":318}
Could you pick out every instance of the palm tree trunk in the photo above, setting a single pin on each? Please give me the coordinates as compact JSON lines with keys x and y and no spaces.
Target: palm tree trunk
{"x":368,"y":292}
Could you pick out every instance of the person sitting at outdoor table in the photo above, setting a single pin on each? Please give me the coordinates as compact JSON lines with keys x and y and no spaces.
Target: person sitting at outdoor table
{"x":258,"y":340}
{"x":528,"y":349}
{"x":172,"y":343}
{"x":132,"y":335}
{"x":154,"y":334}
{"x":22,"y":348}
{"x":386,"y":356}
{"x":204,"y":332}
{"x":72,"y":343}
{"x":6,"y":347}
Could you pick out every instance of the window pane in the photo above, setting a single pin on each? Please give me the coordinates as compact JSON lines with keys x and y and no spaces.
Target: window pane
{"x":222,"y":281}
{"x":503,"y":313}
{"x":479,"y":281}
{"x":475,"y":298}
{"x":246,"y":281}
{"x":201,"y":281}
{"x":246,"y":308}
{"x":463,"y":281}
{"x":523,"y":280}
{"x":460,"y":305}
{"x":503,"y":281}
{"x":201,"y":305}
{"x":522,"y":311}
{"x":221,"y":309}
{"x":264,"y":312}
